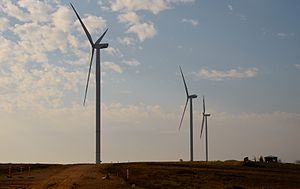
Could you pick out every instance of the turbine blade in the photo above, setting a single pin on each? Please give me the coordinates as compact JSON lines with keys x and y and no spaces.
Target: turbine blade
{"x":203,"y":105}
{"x":202,"y":126}
{"x":88,"y":79}
{"x":186,"y":89}
{"x":99,"y":40}
{"x":83,"y":26}
{"x":187,"y":99}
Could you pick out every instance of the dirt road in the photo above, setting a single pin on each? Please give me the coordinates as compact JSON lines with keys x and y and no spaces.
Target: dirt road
{"x":69,"y":177}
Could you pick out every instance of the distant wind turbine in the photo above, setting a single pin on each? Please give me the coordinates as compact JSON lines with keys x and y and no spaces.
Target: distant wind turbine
{"x":188,"y":98}
{"x":97,"y":45}
{"x":204,"y":119}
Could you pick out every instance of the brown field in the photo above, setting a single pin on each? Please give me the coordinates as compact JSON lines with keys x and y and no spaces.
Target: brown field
{"x":152,"y":175}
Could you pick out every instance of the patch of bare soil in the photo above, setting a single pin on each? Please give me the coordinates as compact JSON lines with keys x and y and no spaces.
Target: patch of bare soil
{"x":64,"y":177}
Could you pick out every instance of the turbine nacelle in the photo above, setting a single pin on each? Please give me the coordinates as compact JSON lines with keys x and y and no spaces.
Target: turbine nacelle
{"x":100,"y":46}
{"x":192,"y":96}
{"x":207,"y":115}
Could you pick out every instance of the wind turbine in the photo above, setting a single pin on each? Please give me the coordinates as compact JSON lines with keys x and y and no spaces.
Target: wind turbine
{"x":188,"y":98}
{"x":204,"y":119}
{"x":97,"y":45}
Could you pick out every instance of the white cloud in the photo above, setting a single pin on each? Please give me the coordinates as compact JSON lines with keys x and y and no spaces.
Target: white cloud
{"x":63,"y":18}
{"x":230,"y":74}
{"x":154,"y":6}
{"x":114,"y":52}
{"x":129,"y":18}
{"x":37,"y":89}
{"x":127,"y":41}
{"x":103,"y":6}
{"x":283,"y":35}
{"x":131,"y":62}
{"x":45,"y":29}
{"x":112,"y":66}
{"x":4,"y":24}
{"x":74,"y":42}
{"x":297,"y":66}
{"x":38,"y":10}
{"x":190,"y":21}
{"x":94,"y":24}
{"x":13,"y":10}
{"x":27,"y":10}
{"x":143,"y":30}
{"x":278,"y":35}
{"x":37,"y":39}
{"x":6,"y":49}
{"x":136,"y":25}
{"x":28,"y":79}
{"x":233,"y":12}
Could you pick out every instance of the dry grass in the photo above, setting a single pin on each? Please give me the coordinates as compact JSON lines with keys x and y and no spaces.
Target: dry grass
{"x":217,"y":174}
{"x":155,"y":175}
{"x":17,"y":168}
{"x":22,"y":178}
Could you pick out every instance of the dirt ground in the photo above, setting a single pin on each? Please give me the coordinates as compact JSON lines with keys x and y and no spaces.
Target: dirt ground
{"x":63,"y":177}
{"x":155,"y":175}
{"x":195,"y":175}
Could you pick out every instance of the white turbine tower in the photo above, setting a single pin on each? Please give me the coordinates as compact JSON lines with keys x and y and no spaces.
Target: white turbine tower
{"x":188,"y":98}
{"x":204,"y":120}
{"x":97,"y":45}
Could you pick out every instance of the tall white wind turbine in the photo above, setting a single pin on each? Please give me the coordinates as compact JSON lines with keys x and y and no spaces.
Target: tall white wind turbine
{"x":204,"y":121}
{"x":188,"y":98}
{"x":97,"y":45}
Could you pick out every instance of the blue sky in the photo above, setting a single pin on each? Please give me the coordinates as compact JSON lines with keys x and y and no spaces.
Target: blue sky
{"x":244,"y":56}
